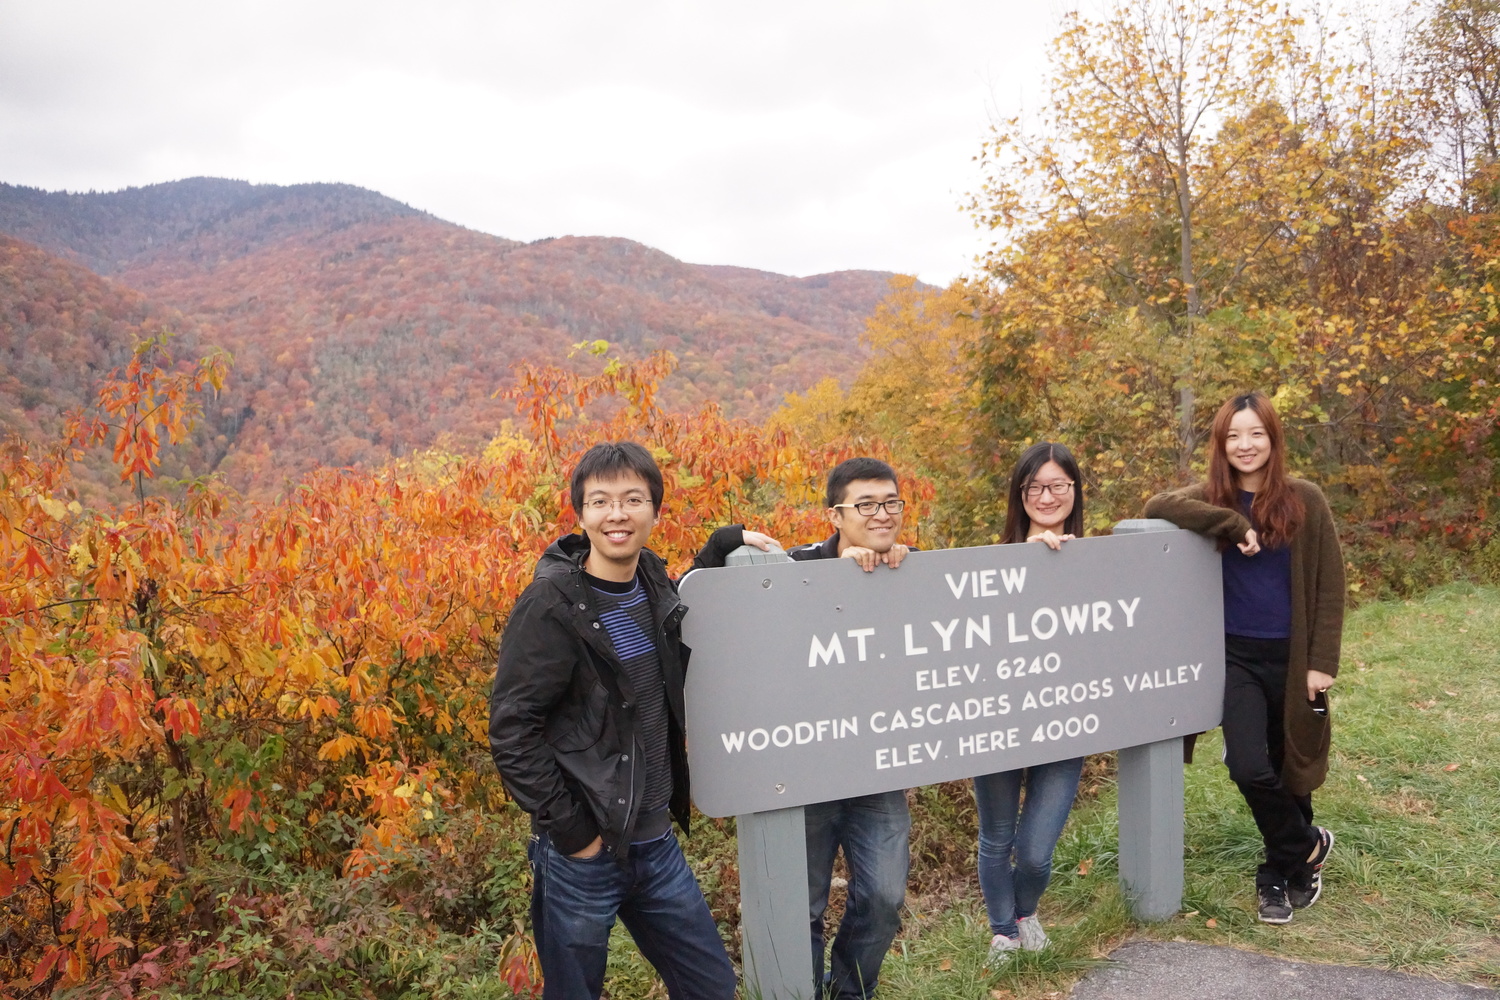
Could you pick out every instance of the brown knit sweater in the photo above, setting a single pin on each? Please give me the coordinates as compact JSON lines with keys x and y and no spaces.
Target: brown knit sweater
{"x":1317,"y":612}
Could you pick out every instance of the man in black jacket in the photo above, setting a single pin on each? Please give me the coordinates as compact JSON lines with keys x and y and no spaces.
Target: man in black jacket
{"x":586,"y":729}
{"x":864,"y":507}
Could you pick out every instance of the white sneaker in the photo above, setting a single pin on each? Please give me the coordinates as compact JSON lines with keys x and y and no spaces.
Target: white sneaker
{"x":1032,"y":937}
{"x":1000,"y":951}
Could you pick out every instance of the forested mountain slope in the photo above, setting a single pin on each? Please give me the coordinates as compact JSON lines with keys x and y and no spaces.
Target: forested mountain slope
{"x":363,"y":329}
{"x":62,"y":328}
{"x":201,"y":221}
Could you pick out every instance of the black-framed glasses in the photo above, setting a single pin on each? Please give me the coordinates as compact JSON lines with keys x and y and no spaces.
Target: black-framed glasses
{"x":1058,"y":489}
{"x":867,"y":508}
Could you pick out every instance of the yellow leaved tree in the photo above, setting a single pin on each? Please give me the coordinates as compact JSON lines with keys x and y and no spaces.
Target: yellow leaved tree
{"x":915,"y":397}
{"x":1212,"y":198}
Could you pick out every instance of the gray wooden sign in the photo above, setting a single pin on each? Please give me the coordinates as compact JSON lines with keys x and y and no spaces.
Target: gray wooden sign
{"x":813,"y":681}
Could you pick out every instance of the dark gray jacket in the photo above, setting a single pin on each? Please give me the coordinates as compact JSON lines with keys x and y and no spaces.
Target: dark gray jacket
{"x":828,"y":548}
{"x":562,"y":712}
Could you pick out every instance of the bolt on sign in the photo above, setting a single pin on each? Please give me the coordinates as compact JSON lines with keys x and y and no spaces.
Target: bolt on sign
{"x":813,"y":681}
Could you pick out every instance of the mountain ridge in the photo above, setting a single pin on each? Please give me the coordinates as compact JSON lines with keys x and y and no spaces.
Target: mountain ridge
{"x":364,"y":329}
{"x":109,"y":231}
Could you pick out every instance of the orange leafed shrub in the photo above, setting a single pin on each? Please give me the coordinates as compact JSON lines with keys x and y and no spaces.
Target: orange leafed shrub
{"x":303,"y":681}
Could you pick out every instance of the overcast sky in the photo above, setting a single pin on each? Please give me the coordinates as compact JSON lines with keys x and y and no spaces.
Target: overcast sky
{"x":795,"y":137}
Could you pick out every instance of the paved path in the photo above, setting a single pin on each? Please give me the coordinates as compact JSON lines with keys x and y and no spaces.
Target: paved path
{"x":1152,"y":970}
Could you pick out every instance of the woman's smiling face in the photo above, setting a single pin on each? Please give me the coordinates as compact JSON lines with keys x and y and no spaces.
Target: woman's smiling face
{"x":1247,"y":445}
{"x":1047,"y":510}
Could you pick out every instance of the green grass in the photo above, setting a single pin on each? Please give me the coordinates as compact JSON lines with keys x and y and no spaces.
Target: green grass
{"x":1412,"y":882}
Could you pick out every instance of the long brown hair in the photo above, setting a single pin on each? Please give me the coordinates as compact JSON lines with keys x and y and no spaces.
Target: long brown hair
{"x":1277,"y":509}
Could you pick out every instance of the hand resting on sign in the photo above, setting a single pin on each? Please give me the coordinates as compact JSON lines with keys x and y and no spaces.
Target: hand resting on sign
{"x":1050,"y":539}
{"x":868,"y":559}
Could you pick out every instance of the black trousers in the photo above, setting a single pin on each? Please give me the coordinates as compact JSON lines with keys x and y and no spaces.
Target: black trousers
{"x":1254,"y":744}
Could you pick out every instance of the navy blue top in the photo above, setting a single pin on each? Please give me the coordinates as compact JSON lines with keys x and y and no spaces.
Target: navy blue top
{"x":1258,"y":588}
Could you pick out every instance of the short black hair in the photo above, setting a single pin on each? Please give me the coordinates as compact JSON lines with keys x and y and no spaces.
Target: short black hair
{"x":607,"y":461}
{"x":851,"y":469}
{"x":1017,"y":521}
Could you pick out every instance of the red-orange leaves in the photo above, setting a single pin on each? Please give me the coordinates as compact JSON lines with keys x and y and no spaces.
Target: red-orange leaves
{"x":180,"y":717}
{"x":32,"y":564}
{"x":218,"y":676}
{"x":149,"y":401}
{"x":237,"y":801}
{"x":373,"y":721}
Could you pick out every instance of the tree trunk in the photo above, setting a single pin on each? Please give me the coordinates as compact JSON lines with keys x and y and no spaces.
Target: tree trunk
{"x":1186,"y":438}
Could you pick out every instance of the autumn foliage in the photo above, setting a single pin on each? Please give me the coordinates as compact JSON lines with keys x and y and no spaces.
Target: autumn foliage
{"x":226,"y":719}
{"x":363,"y":330}
{"x":1212,"y":198}
{"x":292,"y":683}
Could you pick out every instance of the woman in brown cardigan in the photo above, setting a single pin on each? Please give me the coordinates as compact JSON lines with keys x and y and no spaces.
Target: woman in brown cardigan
{"x":1283,"y":622}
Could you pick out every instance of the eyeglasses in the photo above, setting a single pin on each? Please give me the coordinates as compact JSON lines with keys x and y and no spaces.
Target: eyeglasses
{"x":631,"y":505}
{"x":867,"y":508}
{"x":1058,"y":489}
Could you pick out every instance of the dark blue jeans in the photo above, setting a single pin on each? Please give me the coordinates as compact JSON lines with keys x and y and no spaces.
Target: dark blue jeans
{"x":574,"y":904}
{"x":874,"y":831}
{"x":1012,"y":890}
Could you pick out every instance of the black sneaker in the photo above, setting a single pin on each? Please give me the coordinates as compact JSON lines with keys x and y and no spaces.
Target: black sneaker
{"x":1274,"y":909}
{"x":1304,"y":887}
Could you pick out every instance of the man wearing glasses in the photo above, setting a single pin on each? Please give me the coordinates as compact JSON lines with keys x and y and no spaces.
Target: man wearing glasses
{"x":864,"y":507}
{"x":586,"y":730}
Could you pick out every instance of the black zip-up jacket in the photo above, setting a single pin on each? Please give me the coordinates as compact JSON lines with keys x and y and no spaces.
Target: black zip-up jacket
{"x":562,"y":711}
{"x":828,"y":548}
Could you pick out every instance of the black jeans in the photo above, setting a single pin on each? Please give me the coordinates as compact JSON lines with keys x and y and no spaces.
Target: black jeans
{"x":1254,"y":744}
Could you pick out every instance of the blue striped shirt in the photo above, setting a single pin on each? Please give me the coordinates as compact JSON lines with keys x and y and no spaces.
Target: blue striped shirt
{"x":630,"y":624}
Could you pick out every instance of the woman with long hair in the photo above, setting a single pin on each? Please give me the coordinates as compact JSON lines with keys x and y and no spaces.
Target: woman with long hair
{"x":1016,"y":843}
{"x":1283,"y":624}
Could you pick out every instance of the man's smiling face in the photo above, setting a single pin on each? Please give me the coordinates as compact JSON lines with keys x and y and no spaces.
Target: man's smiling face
{"x":877,"y":531}
{"x":617,"y":517}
